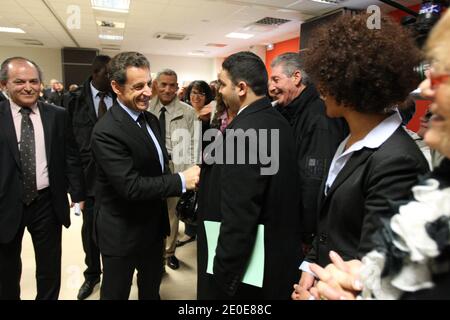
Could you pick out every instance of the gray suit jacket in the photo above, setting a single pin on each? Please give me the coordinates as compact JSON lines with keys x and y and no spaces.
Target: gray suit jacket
{"x":182,"y":116}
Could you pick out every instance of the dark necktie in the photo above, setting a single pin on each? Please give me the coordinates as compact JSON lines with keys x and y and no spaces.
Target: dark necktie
{"x":28,"y":157}
{"x":143,"y":124}
{"x":102,"y":105}
{"x":162,"y":124}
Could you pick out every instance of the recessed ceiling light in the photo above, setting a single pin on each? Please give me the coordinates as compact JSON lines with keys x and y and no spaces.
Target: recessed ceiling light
{"x":110,"y":37}
{"x":237,"y":35}
{"x":11,"y":30}
{"x":111,"y":5}
{"x":111,"y":24}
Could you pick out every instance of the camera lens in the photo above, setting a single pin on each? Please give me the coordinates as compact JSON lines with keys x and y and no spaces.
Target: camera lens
{"x":421,"y":69}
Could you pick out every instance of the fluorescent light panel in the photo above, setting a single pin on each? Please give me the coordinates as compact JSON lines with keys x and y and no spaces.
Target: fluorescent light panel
{"x":110,"y":37}
{"x":334,"y":2}
{"x":237,"y":35}
{"x":111,"y":5}
{"x":11,"y":30}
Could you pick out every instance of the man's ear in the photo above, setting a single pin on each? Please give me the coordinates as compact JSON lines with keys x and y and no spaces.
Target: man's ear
{"x":116,"y":87}
{"x":297,"y":76}
{"x":242,"y":88}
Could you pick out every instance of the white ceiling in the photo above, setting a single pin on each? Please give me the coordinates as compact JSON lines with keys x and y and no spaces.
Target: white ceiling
{"x":203,"y":21}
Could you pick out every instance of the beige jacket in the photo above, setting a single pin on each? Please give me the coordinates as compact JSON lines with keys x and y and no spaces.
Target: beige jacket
{"x":179,"y":115}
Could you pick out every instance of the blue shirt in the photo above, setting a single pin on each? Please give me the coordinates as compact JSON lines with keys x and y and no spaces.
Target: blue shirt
{"x":134,"y":115}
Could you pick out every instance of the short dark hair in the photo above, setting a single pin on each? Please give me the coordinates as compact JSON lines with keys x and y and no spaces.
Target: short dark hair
{"x":100,"y":62}
{"x":4,"y":68}
{"x":201,"y":86}
{"x":369,"y":70}
{"x":119,"y":64}
{"x":248,"y":67}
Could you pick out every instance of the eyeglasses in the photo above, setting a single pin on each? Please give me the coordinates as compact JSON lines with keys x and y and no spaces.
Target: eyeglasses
{"x":198,"y":94}
{"x":438,"y":78}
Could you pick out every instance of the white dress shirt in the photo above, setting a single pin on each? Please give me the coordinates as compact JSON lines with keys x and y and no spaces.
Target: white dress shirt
{"x":42,"y":180}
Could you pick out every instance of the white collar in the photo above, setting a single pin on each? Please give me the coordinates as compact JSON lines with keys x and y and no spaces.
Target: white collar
{"x":242,"y":109}
{"x":95,"y":91}
{"x":376,"y":137}
{"x":133,"y":114}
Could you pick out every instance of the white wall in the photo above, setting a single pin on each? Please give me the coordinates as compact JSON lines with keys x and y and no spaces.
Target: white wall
{"x":187,"y":68}
{"x":258,"y":50}
{"x":49,"y":60}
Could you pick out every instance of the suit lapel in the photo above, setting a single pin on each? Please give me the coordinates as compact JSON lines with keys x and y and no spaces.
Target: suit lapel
{"x":132,"y":128}
{"x":47,"y":118}
{"x":7,"y":126}
{"x":91,"y":108}
{"x":354,"y":162}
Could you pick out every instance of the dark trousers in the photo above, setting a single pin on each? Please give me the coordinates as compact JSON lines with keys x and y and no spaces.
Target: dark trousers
{"x":118,"y":274}
{"x":92,"y":253}
{"x":45,"y":231}
{"x":190,"y":230}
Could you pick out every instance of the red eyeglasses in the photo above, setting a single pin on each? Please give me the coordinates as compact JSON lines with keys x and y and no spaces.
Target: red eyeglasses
{"x":438,"y":78}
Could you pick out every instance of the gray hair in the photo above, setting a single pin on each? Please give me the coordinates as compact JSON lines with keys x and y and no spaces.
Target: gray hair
{"x":119,"y":64}
{"x":166,"y":72}
{"x":291,"y":62}
{"x":4,"y":68}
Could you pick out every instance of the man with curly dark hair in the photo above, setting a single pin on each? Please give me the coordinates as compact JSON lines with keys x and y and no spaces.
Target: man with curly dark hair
{"x":316,"y":135}
{"x":361,"y":73}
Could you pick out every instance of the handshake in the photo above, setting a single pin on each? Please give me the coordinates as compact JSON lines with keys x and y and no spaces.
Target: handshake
{"x":191,"y":177}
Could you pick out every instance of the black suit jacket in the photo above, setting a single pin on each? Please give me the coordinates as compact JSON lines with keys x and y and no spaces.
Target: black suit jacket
{"x":56,"y":98}
{"x":240,"y":198}
{"x":82,"y":112}
{"x":131,"y":189}
{"x":350,"y":213}
{"x":2,"y":97}
{"x":64,"y":167}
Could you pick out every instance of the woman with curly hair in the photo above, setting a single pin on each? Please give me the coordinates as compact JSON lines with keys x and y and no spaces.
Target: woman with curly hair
{"x":361,"y":73}
{"x":412,"y":258}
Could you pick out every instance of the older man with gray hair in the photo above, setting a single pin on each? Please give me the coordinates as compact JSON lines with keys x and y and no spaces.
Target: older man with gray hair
{"x":173,"y":115}
{"x":317,"y":136}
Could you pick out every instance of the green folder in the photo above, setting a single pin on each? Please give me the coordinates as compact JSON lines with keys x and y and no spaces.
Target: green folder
{"x":254,"y":274}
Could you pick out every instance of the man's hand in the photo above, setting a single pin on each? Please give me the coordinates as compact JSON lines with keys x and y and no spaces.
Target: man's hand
{"x":339,"y":280}
{"x":192,"y":177}
{"x":81,"y":203}
{"x":301,"y":290}
{"x":205,"y":113}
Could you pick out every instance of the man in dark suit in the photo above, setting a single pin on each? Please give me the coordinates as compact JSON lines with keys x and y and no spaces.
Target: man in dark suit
{"x":131,"y":219}
{"x":246,"y":195}
{"x":39,"y":164}
{"x":48,"y":91}
{"x":85,"y":108}
{"x":57,"y":96}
